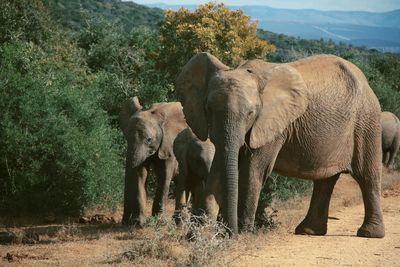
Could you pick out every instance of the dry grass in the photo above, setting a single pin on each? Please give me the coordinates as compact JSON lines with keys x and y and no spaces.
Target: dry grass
{"x":190,"y":244}
{"x":161,"y":243}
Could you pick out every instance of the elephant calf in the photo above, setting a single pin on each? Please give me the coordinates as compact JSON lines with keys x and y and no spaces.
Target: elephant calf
{"x":195,"y":158}
{"x":390,"y":138}
{"x":150,"y":135}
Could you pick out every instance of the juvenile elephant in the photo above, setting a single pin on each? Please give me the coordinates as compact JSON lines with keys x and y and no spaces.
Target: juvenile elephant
{"x":390,"y":138}
{"x":195,"y":158}
{"x":150,"y":135}
{"x":314,"y":119}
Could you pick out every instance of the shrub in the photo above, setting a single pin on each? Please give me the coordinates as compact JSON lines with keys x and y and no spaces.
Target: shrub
{"x":57,"y":149}
{"x":278,"y":187}
{"x":26,"y":20}
{"x":228,"y":35}
{"x":124,"y":64}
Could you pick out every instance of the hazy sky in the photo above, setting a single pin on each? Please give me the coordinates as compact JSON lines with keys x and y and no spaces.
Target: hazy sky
{"x":365,"y":5}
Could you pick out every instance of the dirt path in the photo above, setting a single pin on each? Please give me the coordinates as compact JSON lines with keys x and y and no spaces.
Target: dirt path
{"x":111,"y":245}
{"x":340,"y":246}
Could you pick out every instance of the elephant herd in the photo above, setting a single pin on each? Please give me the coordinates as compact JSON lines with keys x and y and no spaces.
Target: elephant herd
{"x":313,"y":119}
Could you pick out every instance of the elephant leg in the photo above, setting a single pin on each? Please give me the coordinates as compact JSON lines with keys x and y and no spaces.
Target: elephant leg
{"x":135,"y":196}
{"x":385,"y":158}
{"x":250,"y":185}
{"x":255,"y":166}
{"x":180,"y":198}
{"x":316,"y":220}
{"x":211,"y":197}
{"x":165,"y":170}
{"x":197,"y":190}
{"x":393,"y":152}
{"x":367,"y":170}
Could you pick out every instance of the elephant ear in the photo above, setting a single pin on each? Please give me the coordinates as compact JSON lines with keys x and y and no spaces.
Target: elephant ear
{"x":128,"y":108}
{"x":192,"y":89}
{"x":284,"y":97}
{"x":172,"y":123}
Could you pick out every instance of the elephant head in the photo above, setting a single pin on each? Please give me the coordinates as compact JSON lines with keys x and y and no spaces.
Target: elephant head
{"x":149,"y":131}
{"x":253,"y":103}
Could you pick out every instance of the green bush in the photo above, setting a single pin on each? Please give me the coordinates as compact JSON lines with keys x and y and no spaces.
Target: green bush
{"x":58,"y":152}
{"x":125,"y":64}
{"x":24,"y":20}
{"x":278,"y":187}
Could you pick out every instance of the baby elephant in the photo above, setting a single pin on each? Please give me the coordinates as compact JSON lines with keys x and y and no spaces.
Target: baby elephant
{"x":195,"y":159}
{"x":390,"y":138}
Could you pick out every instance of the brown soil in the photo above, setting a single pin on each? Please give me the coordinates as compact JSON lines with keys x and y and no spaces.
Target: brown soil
{"x":110,"y":244}
{"x":340,"y":246}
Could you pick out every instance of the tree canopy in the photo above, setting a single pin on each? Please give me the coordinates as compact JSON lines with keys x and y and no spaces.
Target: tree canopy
{"x":229,"y":35}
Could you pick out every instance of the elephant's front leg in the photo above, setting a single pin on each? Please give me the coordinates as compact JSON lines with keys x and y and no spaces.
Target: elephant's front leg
{"x":165,"y":171}
{"x":180,"y":197}
{"x":135,"y":195}
{"x":316,"y":220}
{"x":212,"y":196}
{"x":254,"y":168}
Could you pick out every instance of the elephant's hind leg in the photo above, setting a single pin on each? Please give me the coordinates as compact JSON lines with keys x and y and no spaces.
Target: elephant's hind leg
{"x":385,"y":158}
{"x":316,"y":219}
{"x":393,"y":152}
{"x":367,"y":171}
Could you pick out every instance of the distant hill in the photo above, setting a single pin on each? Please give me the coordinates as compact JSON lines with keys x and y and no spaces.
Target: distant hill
{"x":71,"y":13}
{"x":374,"y":30}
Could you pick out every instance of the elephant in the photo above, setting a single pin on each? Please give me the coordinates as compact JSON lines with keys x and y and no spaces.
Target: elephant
{"x":150,"y":135}
{"x":390,"y":138}
{"x":194,"y":160}
{"x":314,"y":119}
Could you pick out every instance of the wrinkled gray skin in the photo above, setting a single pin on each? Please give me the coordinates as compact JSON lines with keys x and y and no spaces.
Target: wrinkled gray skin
{"x":195,"y":158}
{"x":390,"y":138}
{"x":150,"y":135}
{"x":314,"y":119}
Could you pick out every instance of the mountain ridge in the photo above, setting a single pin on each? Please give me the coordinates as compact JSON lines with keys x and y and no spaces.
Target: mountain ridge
{"x":377,"y":30}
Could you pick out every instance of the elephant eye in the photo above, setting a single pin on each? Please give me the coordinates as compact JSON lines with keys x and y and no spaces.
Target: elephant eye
{"x":148,"y":140}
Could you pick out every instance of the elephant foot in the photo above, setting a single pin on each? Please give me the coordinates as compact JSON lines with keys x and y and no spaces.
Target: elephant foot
{"x":371,"y":230}
{"x":247,"y":228}
{"x":306,"y":228}
{"x":177,"y":217}
{"x":131,"y":221}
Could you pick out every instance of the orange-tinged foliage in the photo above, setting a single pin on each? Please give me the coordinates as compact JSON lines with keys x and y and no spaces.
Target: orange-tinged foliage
{"x":229,"y":35}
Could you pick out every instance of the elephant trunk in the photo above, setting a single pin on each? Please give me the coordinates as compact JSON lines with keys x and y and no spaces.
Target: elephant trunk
{"x":231,"y":180}
{"x":135,"y":155}
{"x":227,"y":154}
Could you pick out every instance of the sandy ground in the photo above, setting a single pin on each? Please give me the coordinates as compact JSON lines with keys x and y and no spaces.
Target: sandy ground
{"x":341,"y":246}
{"x":102,"y":245}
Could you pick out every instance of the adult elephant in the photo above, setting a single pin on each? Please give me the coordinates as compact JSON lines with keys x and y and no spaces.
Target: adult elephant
{"x":195,"y":158}
{"x":314,"y":119}
{"x":150,"y":135}
{"x":390,"y":138}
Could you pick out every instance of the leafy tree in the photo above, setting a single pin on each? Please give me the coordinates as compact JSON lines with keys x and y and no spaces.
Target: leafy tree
{"x":26,"y":20}
{"x":124,"y":63}
{"x":229,"y":35}
{"x":73,"y":13}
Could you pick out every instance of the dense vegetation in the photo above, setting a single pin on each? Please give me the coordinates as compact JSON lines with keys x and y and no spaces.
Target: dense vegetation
{"x":65,"y":66}
{"x":228,"y":35}
{"x":74,"y":13}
